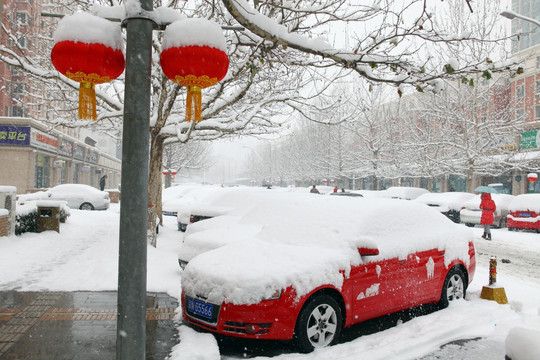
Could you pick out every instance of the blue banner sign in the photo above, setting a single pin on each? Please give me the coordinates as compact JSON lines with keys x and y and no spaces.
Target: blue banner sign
{"x":14,"y":135}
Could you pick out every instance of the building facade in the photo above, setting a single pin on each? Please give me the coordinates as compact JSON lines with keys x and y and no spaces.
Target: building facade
{"x":33,"y":157}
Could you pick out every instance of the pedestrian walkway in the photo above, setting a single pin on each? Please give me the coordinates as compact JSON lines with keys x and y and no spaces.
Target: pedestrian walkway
{"x":77,"y":325}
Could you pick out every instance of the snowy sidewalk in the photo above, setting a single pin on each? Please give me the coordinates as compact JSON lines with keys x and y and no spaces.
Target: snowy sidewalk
{"x":64,"y":325}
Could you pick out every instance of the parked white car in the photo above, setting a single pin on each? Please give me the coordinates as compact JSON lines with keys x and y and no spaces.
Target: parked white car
{"x":172,"y":198}
{"x":77,"y":196}
{"x":472,"y":214}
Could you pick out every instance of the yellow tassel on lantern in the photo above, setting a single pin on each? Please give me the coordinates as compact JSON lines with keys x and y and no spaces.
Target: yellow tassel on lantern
{"x":194,"y":103}
{"x":87,"y":101}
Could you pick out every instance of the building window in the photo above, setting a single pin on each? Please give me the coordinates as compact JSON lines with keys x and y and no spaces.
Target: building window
{"x":6,"y":110}
{"x":538,"y":61}
{"x":17,"y":111}
{"x":19,"y":88}
{"x":520,"y":115}
{"x":537,"y":112}
{"x":22,"y":18}
{"x":23,"y":42}
{"x":520,"y":91}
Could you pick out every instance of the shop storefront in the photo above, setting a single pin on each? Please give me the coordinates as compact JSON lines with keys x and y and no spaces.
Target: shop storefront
{"x":32,"y":158}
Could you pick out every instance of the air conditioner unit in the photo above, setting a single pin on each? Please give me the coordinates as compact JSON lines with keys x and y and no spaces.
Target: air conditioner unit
{"x":8,"y":201}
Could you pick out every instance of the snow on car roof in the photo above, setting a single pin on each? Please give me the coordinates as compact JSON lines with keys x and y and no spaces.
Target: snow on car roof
{"x":529,"y":202}
{"x":74,"y":188}
{"x":451,"y":200}
{"x":305,"y":240}
{"x":403,"y":192}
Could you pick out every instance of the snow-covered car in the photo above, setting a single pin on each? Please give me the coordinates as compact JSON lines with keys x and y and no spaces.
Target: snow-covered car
{"x":307,"y":266}
{"x":346,"y":193}
{"x":472,"y":214}
{"x":77,"y":196}
{"x":402,"y":192}
{"x":172,"y":198}
{"x":524,"y":212}
{"x":198,"y":198}
{"x":448,"y":203}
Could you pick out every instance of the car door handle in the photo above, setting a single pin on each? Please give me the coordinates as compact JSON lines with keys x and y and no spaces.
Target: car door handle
{"x":402,"y":262}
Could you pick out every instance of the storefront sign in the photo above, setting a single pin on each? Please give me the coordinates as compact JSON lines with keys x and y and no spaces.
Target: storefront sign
{"x":65,"y":148}
{"x":43,"y":140}
{"x":14,"y":135}
{"x":79,"y":152}
{"x":85,"y":168}
{"x":59,"y":163}
{"x":530,"y":139}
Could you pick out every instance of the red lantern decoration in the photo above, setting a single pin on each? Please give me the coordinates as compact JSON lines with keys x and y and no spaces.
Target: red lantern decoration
{"x":88,"y":56}
{"x":194,"y":56}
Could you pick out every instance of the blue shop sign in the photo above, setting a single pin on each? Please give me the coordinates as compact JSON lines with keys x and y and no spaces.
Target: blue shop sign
{"x":14,"y":135}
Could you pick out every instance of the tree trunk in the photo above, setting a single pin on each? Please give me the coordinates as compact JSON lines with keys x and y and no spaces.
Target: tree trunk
{"x":154,"y":187}
{"x":470,"y":183}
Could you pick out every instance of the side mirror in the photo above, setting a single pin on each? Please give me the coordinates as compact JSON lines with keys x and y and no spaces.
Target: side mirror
{"x":364,"y":251}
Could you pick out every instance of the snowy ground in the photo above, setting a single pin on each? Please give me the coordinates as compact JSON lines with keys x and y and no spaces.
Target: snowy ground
{"x":84,"y":256}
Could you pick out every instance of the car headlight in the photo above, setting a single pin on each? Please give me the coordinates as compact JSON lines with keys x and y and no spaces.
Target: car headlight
{"x":182,"y":263}
{"x":275,"y":295}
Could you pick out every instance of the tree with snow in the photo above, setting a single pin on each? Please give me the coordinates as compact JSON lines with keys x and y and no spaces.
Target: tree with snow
{"x":286,"y":49}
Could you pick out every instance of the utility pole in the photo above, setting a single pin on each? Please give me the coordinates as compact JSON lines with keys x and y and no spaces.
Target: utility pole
{"x":131,"y":321}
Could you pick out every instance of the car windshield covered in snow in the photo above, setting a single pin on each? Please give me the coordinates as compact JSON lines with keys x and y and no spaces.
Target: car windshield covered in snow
{"x":373,"y":256}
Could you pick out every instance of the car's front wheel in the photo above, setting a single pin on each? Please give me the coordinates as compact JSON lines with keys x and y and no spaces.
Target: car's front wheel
{"x":319,"y":323}
{"x":454,"y":287}
{"x":86,"y":206}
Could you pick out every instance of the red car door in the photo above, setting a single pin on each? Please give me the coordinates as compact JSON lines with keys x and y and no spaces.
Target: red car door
{"x":378,"y":289}
{"x":425,"y":269}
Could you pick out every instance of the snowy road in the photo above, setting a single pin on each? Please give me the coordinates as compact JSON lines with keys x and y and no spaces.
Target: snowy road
{"x":517,"y":253}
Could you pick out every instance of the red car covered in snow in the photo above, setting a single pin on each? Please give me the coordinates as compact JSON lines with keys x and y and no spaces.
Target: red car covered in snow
{"x":524,"y":212}
{"x":320,"y":264}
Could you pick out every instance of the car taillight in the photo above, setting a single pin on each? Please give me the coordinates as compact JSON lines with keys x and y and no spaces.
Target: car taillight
{"x":191,"y":219}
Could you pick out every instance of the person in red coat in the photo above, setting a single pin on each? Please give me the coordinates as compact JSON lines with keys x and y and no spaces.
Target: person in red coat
{"x":488,"y":208}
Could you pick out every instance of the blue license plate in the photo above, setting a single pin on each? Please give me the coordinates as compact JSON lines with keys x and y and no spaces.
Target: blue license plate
{"x":200,"y":308}
{"x":524,"y":214}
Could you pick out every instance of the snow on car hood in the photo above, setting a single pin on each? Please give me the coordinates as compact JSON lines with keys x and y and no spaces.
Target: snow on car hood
{"x":305,"y":241}
{"x":210,"y":234}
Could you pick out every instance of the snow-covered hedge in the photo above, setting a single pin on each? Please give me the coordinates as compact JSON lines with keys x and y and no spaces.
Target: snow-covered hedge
{"x":26,"y":217}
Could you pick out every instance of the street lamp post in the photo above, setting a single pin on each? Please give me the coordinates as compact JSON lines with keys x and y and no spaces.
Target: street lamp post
{"x":132,"y":258}
{"x":131,"y":321}
{"x":512,"y":15}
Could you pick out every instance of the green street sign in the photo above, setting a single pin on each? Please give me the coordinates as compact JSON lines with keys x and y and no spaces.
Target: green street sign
{"x":530,"y":139}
